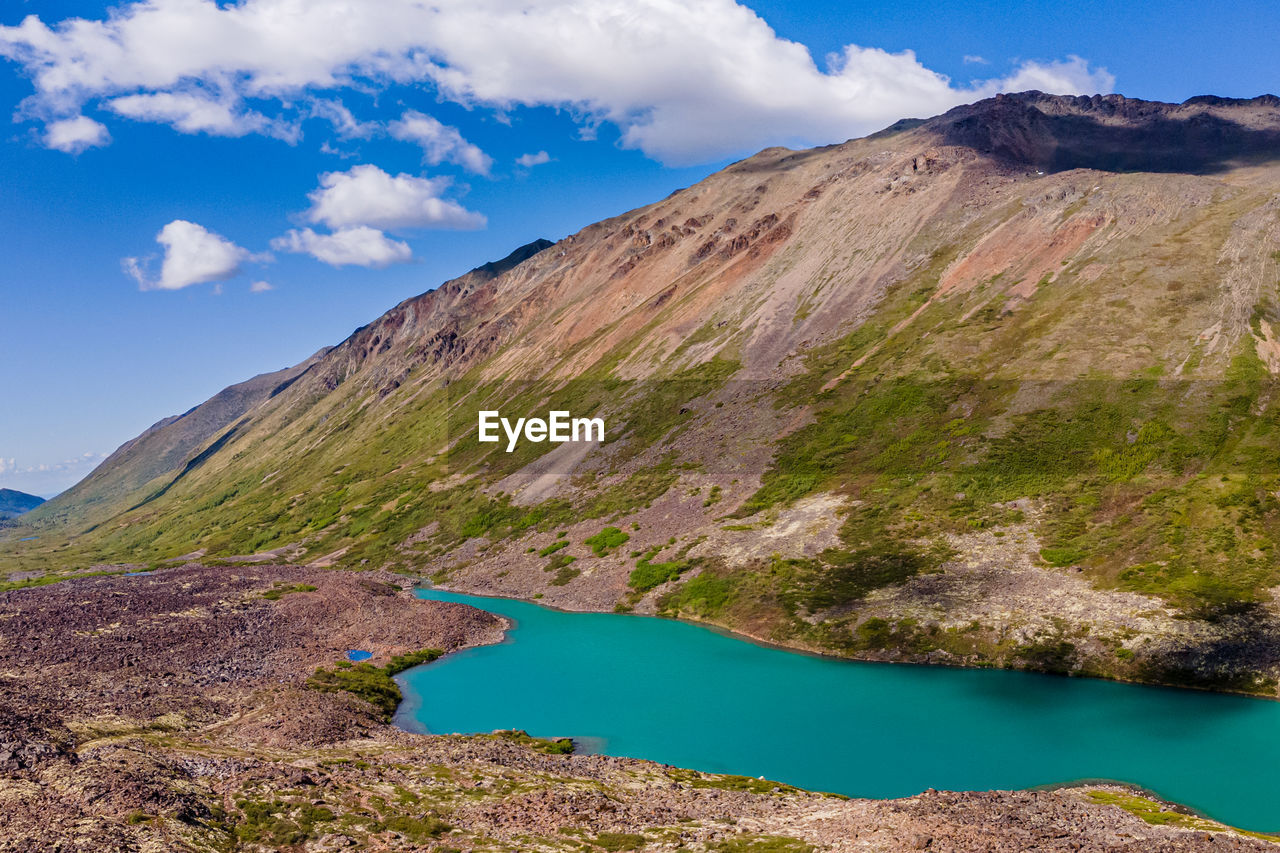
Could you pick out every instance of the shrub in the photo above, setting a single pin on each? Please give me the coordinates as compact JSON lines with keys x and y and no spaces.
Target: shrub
{"x":606,"y":540}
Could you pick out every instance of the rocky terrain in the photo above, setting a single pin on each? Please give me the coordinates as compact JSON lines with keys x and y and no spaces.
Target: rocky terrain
{"x":177,"y":711}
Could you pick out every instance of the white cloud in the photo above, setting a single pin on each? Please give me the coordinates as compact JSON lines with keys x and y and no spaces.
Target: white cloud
{"x":531,"y":160}
{"x":192,"y":113}
{"x":439,"y":142}
{"x":74,"y":135}
{"x":343,"y":120}
{"x":47,"y":478}
{"x":326,"y":148}
{"x":366,"y":195}
{"x":357,"y":246}
{"x":260,"y":287}
{"x":1064,"y":77}
{"x":685,"y":82}
{"x":192,"y":255}
{"x":973,"y":59}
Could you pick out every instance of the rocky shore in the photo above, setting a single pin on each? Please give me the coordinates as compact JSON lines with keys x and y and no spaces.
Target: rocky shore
{"x":171,"y":712}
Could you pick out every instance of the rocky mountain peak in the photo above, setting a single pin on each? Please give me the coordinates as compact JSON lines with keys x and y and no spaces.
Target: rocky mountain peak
{"x":1113,"y":133}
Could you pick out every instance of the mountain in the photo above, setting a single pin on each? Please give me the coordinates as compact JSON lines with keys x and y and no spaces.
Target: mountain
{"x":990,"y":388}
{"x":14,"y":503}
{"x":144,"y":462}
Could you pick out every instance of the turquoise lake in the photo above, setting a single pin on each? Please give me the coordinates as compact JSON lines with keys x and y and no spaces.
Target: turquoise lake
{"x":688,"y":696}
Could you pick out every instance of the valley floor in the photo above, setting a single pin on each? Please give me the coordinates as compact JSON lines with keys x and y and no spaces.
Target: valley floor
{"x":203,"y":708}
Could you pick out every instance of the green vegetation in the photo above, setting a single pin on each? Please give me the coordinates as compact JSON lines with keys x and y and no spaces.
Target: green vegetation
{"x":1062,"y":556}
{"x":279,"y":823}
{"x":45,"y":580}
{"x":619,"y":841}
{"x":548,"y":746}
{"x":648,"y":574}
{"x":553,"y":547}
{"x":763,"y":844}
{"x":565,"y":574}
{"x":562,"y":565}
{"x":840,"y":577}
{"x":1084,"y":408}
{"x":1151,"y":486}
{"x":416,"y":829}
{"x":702,"y":597}
{"x":280,"y":589}
{"x":374,"y":684}
{"x":730,"y":782}
{"x":400,"y":663}
{"x":1159,"y":814}
{"x":607,"y":540}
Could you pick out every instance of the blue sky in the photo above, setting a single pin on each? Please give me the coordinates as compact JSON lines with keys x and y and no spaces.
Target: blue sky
{"x":349,"y":162}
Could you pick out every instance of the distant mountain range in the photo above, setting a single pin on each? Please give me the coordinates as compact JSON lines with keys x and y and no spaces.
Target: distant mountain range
{"x":994,"y":388}
{"x":14,"y":503}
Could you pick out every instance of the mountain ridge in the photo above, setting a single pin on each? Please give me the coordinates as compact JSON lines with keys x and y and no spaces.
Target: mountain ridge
{"x":913,"y":396}
{"x":14,"y":503}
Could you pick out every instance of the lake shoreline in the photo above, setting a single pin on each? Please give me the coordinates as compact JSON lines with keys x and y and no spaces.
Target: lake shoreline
{"x":1010,"y":705}
{"x":807,"y":651}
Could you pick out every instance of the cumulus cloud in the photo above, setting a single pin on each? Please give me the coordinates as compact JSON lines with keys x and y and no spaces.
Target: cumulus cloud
{"x":359,"y":246}
{"x":260,"y":287}
{"x":8,"y":466}
{"x":192,"y":113}
{"x":439,"y":142}
{"x":1063,"y":77}
{"x":192,"y":255}
{"x":684,"y":82}
{"x":74,"y":135}
{"x":366,"y":195}
{"x":530,"y":160}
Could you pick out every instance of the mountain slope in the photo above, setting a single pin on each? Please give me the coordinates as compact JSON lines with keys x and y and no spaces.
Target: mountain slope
{"x":14,"y":503}
{"x":989,"y":388}
{"x":147,"y":460}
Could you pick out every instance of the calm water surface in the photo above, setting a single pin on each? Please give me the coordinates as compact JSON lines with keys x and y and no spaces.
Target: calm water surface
{"x":688,"y":696}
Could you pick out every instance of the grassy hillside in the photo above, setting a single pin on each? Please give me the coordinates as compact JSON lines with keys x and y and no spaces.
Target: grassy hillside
{"x":941,"y":394}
